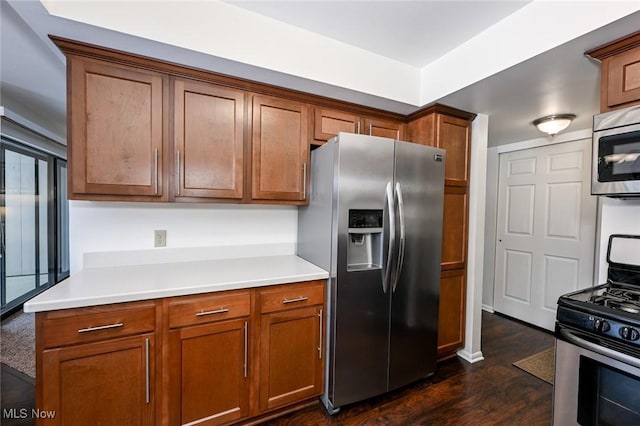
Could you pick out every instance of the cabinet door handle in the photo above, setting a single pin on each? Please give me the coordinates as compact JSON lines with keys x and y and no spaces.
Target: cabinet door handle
{"x":320,"y":338}
{"x":178,"y":180}
{"x":101,"y":327}
{"x":155,"y":166}
{"x":146,"y":371}
{"x":215,"y":311}
{"x":370,"y":129}
{"x":246,"y":348}
{"x":398,"y":134}
{"x":297,"y":299}
{"x":358,"y":127}
{"x":304,"y":181}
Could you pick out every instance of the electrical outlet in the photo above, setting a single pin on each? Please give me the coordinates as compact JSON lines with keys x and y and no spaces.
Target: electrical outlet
{"x":160,"y":238}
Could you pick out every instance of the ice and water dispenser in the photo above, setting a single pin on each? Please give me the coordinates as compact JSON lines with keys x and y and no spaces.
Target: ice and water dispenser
{"x":364,"y":249}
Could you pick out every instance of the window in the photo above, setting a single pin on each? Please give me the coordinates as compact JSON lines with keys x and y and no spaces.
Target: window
{"x":34,"y":230}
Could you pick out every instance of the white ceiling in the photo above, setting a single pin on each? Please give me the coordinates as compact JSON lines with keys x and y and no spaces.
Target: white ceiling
{"x":561,"y":80}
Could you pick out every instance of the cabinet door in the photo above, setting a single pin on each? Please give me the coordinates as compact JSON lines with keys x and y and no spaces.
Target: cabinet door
{"x":451,"y":312}
{"x":454,"y":135}
{"x":454,"y":228}
{"x":117,"y":135}
{"x":208,"y":140}
{"x":383,"y":128}
{"x":280,"y":150}
{"x":621,"y":75}
{"x":291,"y":356}
{"x":108,"y":383}
{"x":328,"y":123}
{"x":209,"y":382}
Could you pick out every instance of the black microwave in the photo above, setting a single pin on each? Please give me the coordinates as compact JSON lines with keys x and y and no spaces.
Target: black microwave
{"x":615,"y":170}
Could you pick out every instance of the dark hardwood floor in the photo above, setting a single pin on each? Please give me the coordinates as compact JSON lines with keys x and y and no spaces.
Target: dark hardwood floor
{"x":17,"y":397}
{"x":490,"y":392}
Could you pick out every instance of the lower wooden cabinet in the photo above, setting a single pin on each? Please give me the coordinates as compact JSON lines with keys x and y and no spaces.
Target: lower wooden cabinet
{"x":109,"y":382}
{"x":97,"y":365}
{"x":291,"y":344}
{"x":451,"y":314}
{"x":209,"y":373}
{"x":209,"y":359}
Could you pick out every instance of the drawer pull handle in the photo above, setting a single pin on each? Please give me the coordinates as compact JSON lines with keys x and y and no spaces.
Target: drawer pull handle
{"x":246,"y":346}
{"x":320,"y":334}
{"x":101,"y":327}
{"x":297,"y":299}
{"x":216,"y":311}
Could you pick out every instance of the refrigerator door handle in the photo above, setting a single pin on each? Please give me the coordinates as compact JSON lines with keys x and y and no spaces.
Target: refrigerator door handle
{"x":402,"y":236}
{"x":391,"y":211}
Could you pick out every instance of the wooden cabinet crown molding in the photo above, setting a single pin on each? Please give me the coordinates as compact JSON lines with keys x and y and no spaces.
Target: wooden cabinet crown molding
{"x":441,"y":109}
{"x":614,"y":47}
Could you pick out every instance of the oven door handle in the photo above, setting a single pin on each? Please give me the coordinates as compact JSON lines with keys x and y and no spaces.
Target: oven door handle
{"x":604,"y":351}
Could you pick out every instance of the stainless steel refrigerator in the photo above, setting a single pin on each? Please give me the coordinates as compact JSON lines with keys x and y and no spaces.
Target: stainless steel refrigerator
{"x":374,"y":221}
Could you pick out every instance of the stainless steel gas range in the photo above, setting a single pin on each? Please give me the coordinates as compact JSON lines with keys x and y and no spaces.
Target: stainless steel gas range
{"x":597,"y":367}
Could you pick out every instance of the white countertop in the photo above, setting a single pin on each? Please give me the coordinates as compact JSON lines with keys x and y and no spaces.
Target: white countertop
{"x":115,"y":284}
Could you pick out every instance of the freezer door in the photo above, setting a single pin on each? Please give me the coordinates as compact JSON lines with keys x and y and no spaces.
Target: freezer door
{"x":419,"y":188}
{"x":361,"y":307}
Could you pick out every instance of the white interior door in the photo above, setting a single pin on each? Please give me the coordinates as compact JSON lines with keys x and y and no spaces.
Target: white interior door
{"x":546,"y":225}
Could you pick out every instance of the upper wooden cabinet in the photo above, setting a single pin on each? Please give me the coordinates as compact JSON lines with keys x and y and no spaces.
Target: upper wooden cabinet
{"x":141,"y":129}
{"x":117,"y":121}
{"x":208,"y":141}
{"x":329,"y":122}
{"x":383,"y":128}
{"x":280,"y":150}
{"x":620,"y":76}
{"x":450,"y":133}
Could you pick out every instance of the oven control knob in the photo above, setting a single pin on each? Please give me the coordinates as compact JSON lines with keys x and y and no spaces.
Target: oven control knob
{"x":601,"y":325}
{"x":629,"y":333}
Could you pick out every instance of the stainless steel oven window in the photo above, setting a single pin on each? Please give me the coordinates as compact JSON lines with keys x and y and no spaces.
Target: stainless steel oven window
{"x":588,"y":385}
{"x":606,"y":395}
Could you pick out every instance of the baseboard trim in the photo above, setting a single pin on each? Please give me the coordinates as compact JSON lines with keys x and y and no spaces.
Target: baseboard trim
{"x":488,"y":308}
{"x":471,"y":358}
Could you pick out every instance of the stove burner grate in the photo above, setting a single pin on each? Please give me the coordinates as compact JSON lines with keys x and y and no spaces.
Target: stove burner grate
{"x":619,"y":297}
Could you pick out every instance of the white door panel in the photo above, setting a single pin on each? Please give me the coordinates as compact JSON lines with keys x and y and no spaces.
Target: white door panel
{"x":545,"y":230}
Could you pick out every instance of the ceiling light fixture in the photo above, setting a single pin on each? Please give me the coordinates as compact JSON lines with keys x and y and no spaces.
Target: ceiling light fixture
{"x":553,"y":124}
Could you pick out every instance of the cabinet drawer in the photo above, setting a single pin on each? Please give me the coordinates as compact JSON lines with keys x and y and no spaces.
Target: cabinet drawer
{"x":71,"y":326}
{"x":200,"y":309}
{"x":291,"y":296}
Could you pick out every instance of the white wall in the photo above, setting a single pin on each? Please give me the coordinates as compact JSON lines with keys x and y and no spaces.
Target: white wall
{"x":113,"y":226}
{"x":616,"y":217}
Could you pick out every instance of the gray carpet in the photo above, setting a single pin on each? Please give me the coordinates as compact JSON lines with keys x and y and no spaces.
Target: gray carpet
{"x":18,"y":343}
